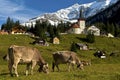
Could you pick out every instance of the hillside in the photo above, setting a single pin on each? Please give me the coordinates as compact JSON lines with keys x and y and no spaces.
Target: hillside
{"x":110,"y":14}
{"x":101,"y":69}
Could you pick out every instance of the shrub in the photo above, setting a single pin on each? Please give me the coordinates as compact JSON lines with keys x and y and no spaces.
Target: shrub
{"x":90,"y":38}
{"x":73,"y":47}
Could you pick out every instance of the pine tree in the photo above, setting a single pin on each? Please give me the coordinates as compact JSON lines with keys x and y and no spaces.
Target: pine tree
{"x":90,"y":38}
{"x":112,"y":29}
{"x":73,"y":47}
{"x":17,"y":23}
{"x":117,"y":30}
{"x":56,"y":32}
{"x":39,"y":30}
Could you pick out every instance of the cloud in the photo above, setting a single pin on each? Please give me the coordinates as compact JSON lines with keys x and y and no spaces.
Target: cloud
{"x":17,"y":10}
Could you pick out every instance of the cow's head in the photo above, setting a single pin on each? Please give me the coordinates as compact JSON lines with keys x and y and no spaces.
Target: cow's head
{"x":80,"y":66}
{"x":44,"y":68}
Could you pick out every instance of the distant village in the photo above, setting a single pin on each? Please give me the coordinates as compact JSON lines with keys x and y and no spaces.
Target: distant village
{"x":74,"y":28}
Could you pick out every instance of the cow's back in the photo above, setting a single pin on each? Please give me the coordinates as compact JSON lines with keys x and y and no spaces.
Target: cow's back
{"x":22,"y":53}
{"x":63,"y":56}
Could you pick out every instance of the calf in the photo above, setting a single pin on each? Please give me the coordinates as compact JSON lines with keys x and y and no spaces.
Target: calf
{"x":63,"y":57}
{"x":30,"y":56}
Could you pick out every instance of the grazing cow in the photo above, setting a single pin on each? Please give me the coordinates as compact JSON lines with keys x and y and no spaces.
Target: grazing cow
{"x":63,"y":57}
{"x":100,"y":54}
{"x":27,"y":55}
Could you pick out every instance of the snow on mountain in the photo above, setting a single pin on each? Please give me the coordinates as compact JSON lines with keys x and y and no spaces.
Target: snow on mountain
{"x":72,"y":13}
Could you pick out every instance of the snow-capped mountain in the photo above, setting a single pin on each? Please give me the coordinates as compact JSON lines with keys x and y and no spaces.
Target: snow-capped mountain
{"x":71,"y":13}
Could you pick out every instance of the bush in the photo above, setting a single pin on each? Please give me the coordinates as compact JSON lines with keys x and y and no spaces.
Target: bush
{"x":90,"y":38}
{"x":74,"y":47}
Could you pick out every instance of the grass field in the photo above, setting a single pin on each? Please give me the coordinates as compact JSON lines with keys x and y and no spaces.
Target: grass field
{"x":101,"y":69}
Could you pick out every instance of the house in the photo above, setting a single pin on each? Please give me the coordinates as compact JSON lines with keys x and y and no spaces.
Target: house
{"x":56,"y":40}
{"x":93,"y":30}
{"x":74,"y":29}
{"x":16,"y":30}
{"x":3,"y":32}
{"x":110,"y":35}
{"x":82,"y":46}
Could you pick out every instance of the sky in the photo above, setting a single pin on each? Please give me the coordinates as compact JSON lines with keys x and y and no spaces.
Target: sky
{"x":23,"y":10}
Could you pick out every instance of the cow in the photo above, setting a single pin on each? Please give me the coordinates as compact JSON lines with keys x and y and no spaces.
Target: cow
{"x":66,"y":57}
{"x":27,"y":55}
{"x":100,"y":54}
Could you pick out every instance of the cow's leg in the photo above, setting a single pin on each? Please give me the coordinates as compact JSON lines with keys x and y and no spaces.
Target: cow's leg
{"x":33,"y":65}
{"x":27,"y":69}
{"x":69,"y":64}
{"x":15,"y":66}
{"x":73,"y":66}
{"x":53,"y":66}
{"x":57,"y":67}
{"x":10,"y":67}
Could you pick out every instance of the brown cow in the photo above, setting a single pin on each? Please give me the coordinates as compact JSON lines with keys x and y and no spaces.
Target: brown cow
{"x":30,"y":56}
{"x":63,"y":57}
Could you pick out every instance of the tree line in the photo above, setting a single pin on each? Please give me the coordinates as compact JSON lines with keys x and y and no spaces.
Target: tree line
{"x":9,"y":24}
{"x":44,"y":29}
{"x":108,"y":27}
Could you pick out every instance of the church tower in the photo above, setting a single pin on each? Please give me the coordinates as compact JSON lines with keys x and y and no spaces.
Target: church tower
{"x":81,"y":21}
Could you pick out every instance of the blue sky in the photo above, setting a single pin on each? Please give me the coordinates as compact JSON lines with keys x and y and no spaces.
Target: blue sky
{"x":23,"y":10}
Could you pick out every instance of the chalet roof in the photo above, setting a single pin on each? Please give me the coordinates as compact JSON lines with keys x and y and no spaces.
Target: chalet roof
{"x":75,"y":25}
{"x":93,"y":28}
{"x":16,"y":29}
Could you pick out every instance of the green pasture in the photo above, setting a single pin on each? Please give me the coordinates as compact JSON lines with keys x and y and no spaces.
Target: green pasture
{"x":101,"y":69}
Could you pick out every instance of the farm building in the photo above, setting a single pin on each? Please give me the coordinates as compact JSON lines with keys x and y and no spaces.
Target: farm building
{"x":56,"y":40}
{"x":3,"y":32}
{"x":16,"y":30}
{"x":93,"y":30}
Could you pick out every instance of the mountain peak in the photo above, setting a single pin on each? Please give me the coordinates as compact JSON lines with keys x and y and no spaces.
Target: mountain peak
{"x":72,"y":13}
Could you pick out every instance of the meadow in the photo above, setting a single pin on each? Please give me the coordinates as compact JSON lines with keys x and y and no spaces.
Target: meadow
{"x":100,"y":69}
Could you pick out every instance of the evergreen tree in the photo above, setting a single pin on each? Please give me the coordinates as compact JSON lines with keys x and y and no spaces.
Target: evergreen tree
{"x":39,"y":30}
{"x":51,"y":31}
{"x":56,"y":32}
{"x":112,"y":29}
{"x":3,"y":27}
{"x":117,"y":30}
{"x":32,"y":29}
{"x":17,"y":23}
{"x":90,"y":38}
{"x":73,"y":47}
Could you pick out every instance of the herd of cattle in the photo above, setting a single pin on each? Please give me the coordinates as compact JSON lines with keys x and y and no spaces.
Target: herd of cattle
{"x":32,"y":57}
